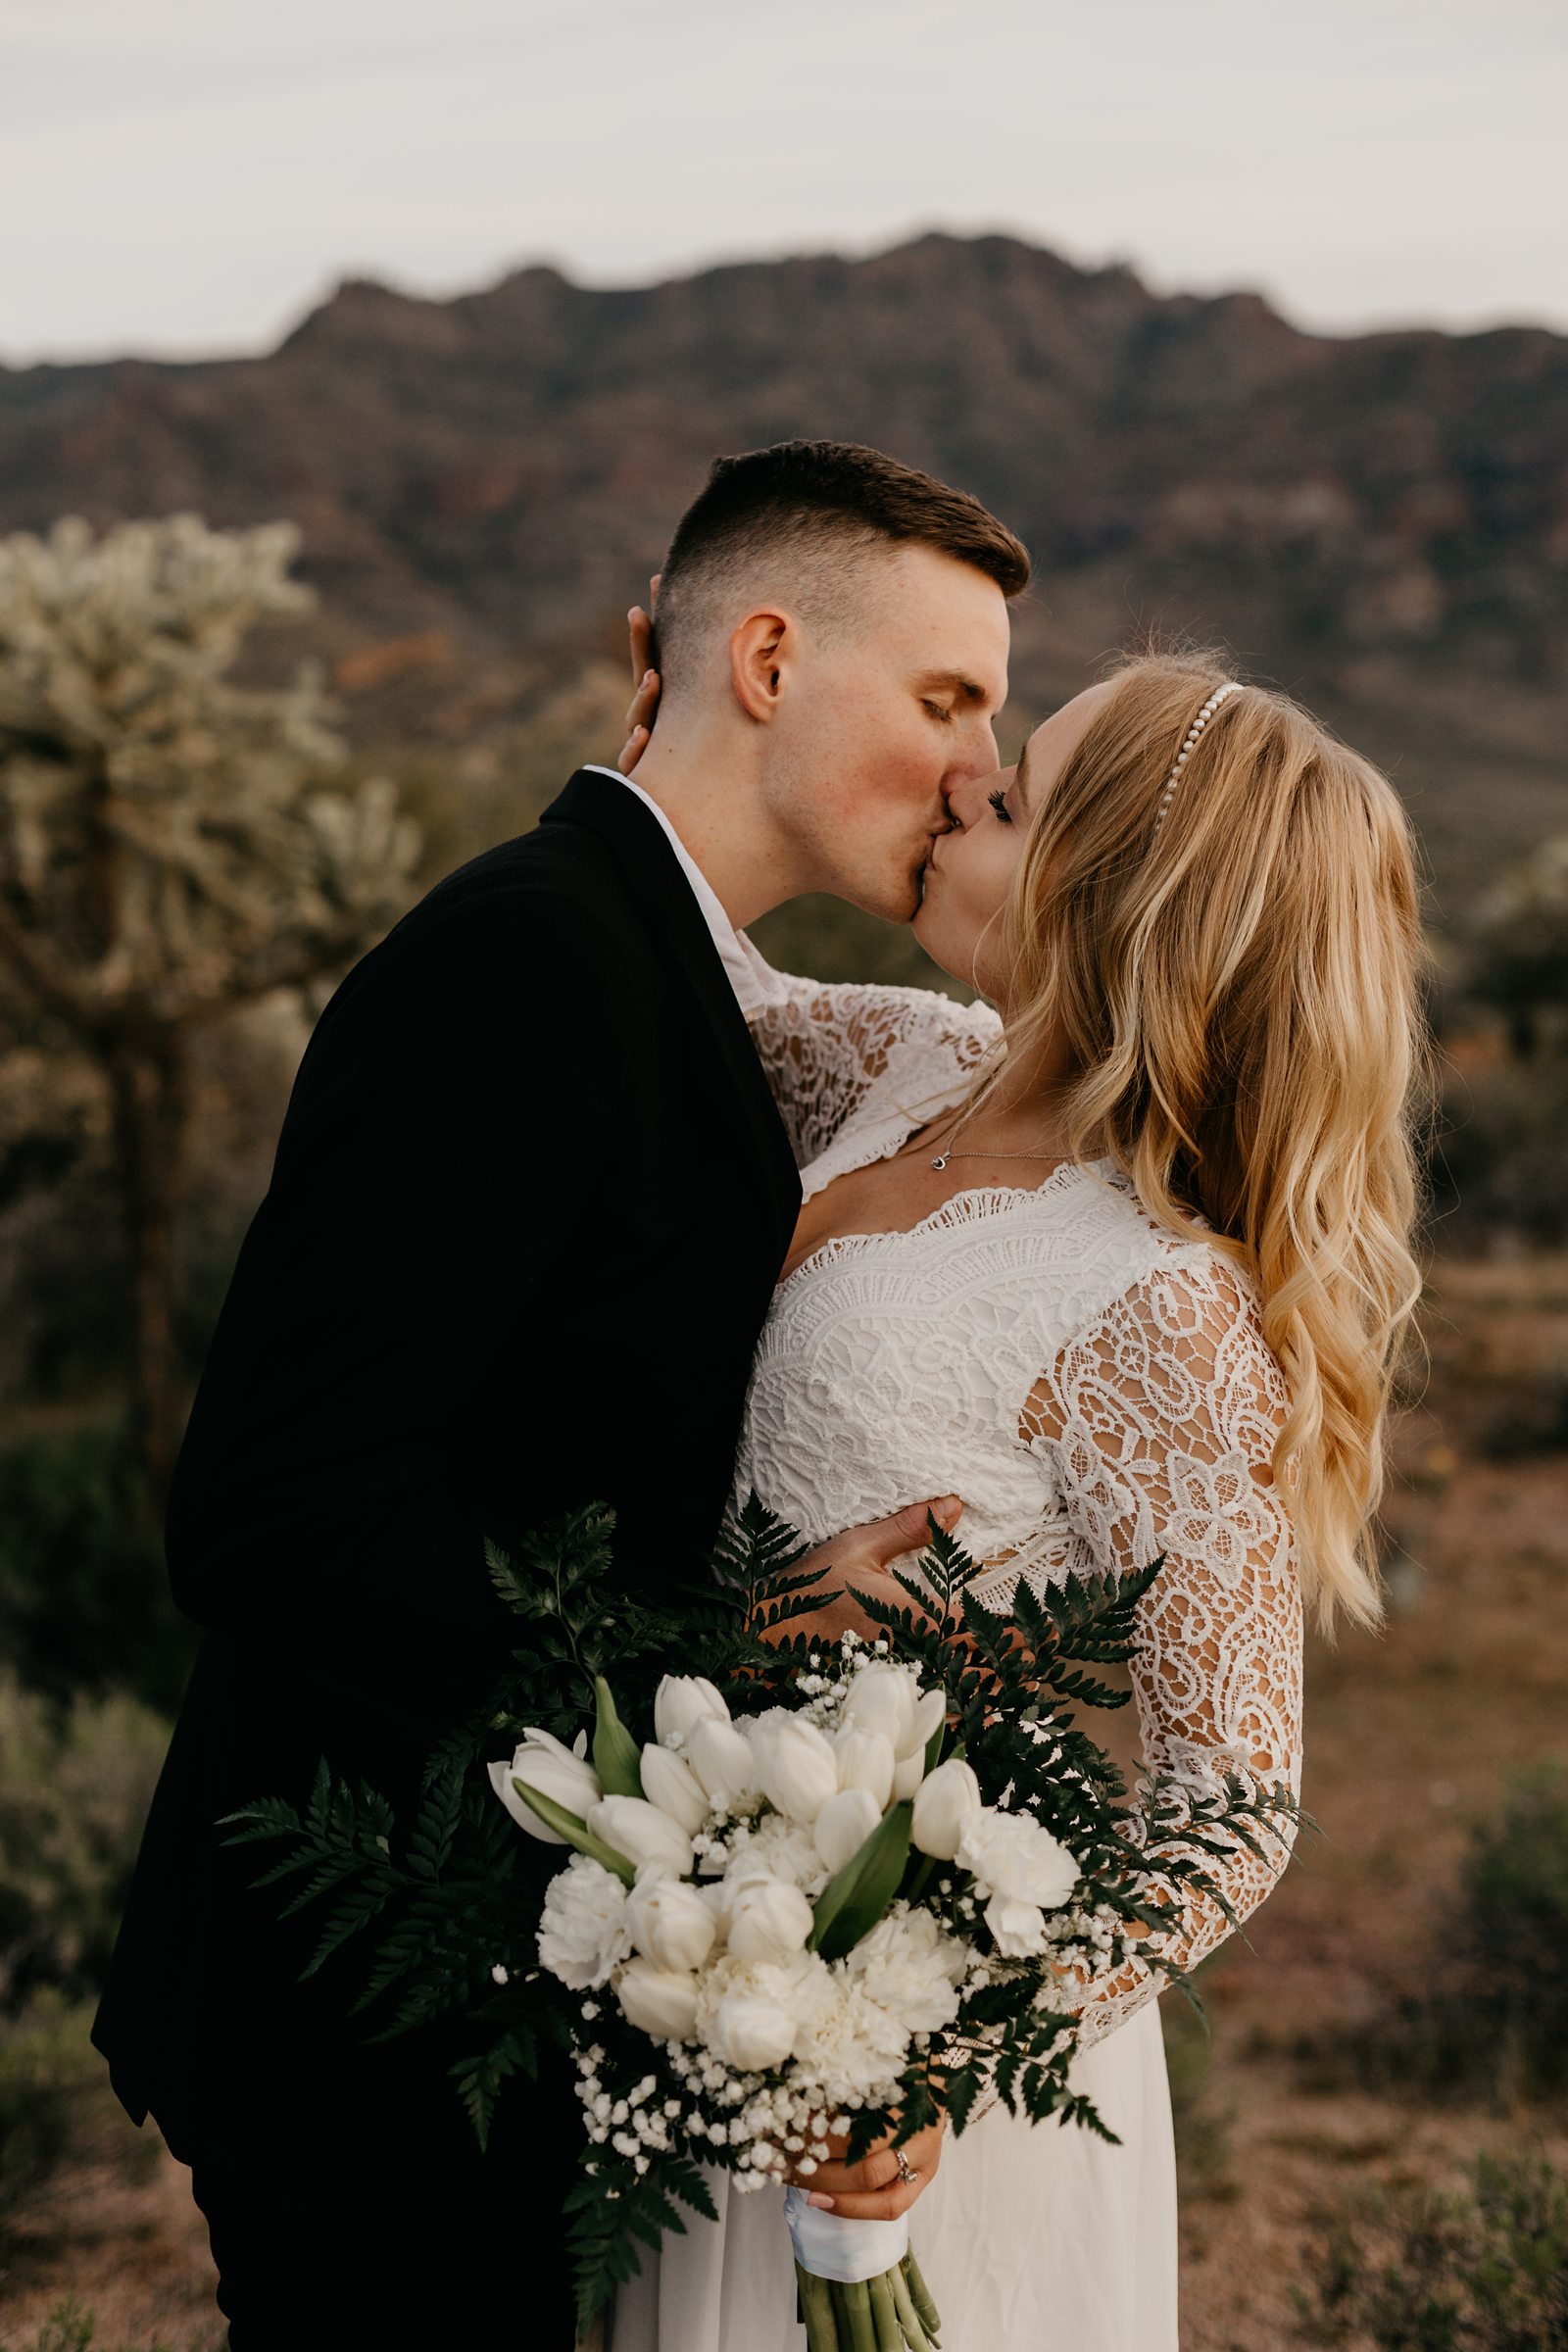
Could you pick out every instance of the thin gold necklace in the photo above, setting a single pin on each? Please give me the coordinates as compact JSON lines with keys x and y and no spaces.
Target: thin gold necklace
{"x":943,"y":1157}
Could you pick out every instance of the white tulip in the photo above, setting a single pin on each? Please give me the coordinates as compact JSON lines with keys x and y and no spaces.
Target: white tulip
{"x":752,"y":2032}
{"x":797,"y":1767}
{"x":555,"y":1772}
{"x":662,"y":2001}
{"x":1019,"y":1928}
{"x":930,"y":1711}
{"x":632,"y":1826}
{"x":673,"y":1787}
{"x":722,"y":1759}
{"x":944,"y":1804}
{"x":908,"y":1773}
{"x":882,"y":1698}
{"x":864,"y":1761}
{"x":844,"y":1824}
{"x":670,"y":1923}
{"x":682,"y":1701}
{"x":768,"y":1920}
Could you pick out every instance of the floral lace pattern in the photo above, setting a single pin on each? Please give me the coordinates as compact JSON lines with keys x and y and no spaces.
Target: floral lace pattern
{"x":1097,"y":1388}
{"x":855,"y":1070}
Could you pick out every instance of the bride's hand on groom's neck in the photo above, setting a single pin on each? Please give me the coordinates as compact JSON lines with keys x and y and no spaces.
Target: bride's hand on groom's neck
{"x":863,"y":1558}
{"x":646,"y":682}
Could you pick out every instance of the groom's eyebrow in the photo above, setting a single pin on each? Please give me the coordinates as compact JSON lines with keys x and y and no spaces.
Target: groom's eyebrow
{"x":950,"y":681}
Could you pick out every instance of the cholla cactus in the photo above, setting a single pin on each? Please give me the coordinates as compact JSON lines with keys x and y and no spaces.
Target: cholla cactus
{"x":172,"y":845}
{"x":1521,"y":934}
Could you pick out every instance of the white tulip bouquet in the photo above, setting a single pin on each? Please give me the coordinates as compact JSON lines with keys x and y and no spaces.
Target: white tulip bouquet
{"x":827,"y":1898}
{"x":736,"y":1893}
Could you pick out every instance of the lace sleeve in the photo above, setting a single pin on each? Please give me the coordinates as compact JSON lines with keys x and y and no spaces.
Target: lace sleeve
{"x":1157,"y":1423}
{"x":832,"y":1048}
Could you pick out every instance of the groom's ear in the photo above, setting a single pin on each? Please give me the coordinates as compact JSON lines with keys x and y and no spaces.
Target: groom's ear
{"x":761,"y":652}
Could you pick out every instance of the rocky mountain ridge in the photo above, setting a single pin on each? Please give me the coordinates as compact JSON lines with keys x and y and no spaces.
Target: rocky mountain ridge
{"x":1379,"y":521}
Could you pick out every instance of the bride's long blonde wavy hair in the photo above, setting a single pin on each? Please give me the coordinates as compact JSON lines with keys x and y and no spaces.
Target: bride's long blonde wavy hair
{"x":1239,"y":985}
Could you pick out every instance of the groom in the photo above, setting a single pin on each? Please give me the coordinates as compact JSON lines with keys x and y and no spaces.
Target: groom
{"x":529,"y":1200}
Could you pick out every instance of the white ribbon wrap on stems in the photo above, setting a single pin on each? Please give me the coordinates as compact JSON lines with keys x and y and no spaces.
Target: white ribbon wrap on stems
{"x":830,"y":2247}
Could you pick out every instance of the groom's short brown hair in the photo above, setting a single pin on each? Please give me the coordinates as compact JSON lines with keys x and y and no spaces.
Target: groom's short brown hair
{"x":826,"y":504}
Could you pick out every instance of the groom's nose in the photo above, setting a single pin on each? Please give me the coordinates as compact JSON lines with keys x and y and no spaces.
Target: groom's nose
{"x":974,"y":762}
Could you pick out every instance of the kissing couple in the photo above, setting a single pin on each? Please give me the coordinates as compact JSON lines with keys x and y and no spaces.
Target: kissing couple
{"x":576,"y":1199}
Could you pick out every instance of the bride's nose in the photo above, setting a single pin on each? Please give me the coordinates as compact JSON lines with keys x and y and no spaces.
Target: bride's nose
{"x":963,"y":799}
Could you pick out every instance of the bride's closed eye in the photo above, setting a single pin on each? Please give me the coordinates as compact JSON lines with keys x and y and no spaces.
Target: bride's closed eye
{"x":998,"y":801}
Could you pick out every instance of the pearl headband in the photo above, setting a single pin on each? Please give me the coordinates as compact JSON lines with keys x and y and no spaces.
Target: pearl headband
{"x":1231,"y":686}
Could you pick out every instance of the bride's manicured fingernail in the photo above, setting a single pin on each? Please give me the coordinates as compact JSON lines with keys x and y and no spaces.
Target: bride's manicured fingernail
{"x":823,"y":2204}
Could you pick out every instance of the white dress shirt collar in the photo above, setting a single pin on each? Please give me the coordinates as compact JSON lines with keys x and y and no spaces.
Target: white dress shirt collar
{"x":756,"y":984}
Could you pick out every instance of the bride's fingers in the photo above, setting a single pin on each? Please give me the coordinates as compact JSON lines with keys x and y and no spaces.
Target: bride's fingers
{"x":876,"y":2189}
{"x":632,"y":750}
{"x":640,"y":630}
{"x":643,"y":708}
{"x":641,"y":712}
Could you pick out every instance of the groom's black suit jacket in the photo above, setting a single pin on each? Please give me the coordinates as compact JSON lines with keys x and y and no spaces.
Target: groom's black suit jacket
{"x":530,"y":1197}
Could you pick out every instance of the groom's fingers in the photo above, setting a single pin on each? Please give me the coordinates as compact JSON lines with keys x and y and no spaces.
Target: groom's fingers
{"x":857,"y":1559}
{"x":908,"y":1529}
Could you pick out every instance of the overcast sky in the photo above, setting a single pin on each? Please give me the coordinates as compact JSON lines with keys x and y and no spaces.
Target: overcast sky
{"x":190,"y":175}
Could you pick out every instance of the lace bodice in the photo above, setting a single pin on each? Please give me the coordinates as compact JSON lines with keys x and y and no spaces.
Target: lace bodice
{"x":1095,"y":1386}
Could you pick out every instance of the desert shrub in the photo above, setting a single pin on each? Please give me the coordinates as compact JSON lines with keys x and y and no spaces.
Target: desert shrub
{"x":85,"y":1599}
{"x":1501,"y":1155}
{"x":1485,"y":2271}
{"x":1493,"y":2020}
{"x":75,"y":1781}
{"x":1200,"y":2119}
{"x":50,"y":2076}
{"x":1533,"y":1423}
{"x":1515,"y":1932}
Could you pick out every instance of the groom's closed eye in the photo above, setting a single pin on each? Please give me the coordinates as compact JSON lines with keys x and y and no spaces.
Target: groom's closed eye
{"x":944,"y":689}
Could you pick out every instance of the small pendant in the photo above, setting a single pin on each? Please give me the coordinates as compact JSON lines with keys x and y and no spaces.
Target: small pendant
{"x":941,"y":1160}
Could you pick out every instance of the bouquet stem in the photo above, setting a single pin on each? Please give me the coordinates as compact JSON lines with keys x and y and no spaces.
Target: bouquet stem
{"x":891,"y":2312}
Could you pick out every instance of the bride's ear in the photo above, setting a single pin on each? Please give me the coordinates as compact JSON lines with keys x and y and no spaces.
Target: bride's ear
{"x":760,"y":654}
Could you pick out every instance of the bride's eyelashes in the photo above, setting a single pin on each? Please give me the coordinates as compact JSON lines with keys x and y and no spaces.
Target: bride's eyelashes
{"x":998,"y":801}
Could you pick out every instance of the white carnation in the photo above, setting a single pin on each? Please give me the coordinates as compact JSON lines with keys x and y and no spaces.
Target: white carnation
{"x":783,"y":1849}
{"x":1018,"y":1929}
{"x":796,"y":1987}
{"x":1009,"y":1854}
{"x":908,"y":1967}
{"x":583,"y":1929}
{"x":846,"y":2046}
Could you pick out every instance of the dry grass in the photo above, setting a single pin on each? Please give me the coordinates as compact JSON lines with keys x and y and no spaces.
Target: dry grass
{"x":117,"y":2232}
{"x":1409,"y":1738}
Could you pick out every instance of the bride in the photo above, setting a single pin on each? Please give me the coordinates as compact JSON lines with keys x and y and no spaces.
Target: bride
{"x":1123,"y":1264}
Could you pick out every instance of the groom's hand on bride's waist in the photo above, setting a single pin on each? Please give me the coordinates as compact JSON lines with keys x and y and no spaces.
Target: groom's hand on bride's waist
{"x":880,"y":2186}
{"x":861,"y":1558}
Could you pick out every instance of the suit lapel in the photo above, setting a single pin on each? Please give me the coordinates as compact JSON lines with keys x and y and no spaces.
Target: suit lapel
{"x":649,"y":867}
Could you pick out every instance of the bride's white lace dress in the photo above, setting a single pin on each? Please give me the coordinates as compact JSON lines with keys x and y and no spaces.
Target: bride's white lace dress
{"x":1098,"y":1390}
